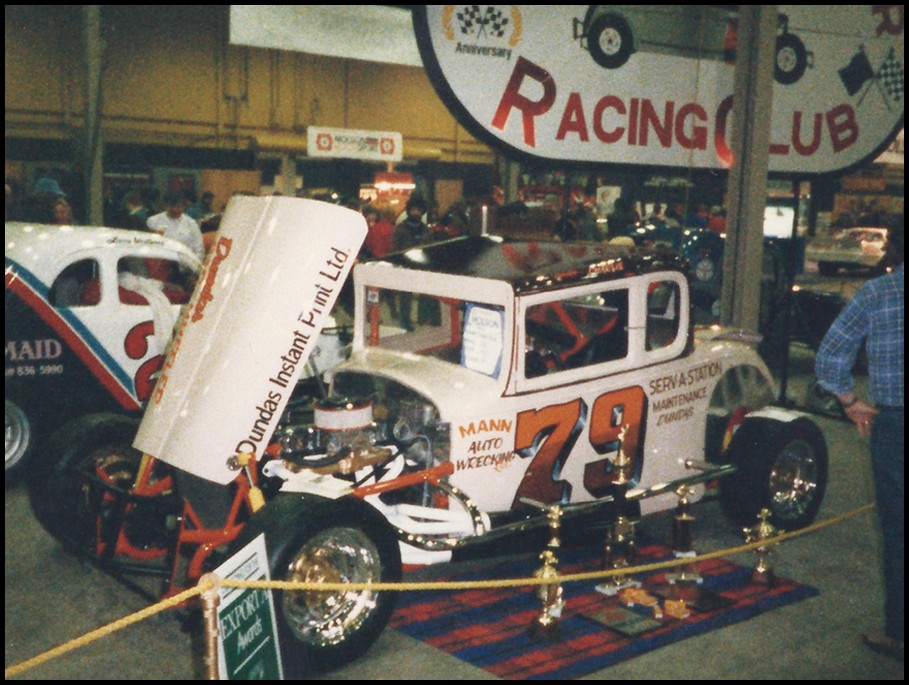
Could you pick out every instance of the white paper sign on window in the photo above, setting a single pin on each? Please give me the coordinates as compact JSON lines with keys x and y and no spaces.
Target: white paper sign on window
{"x":483,"y":337}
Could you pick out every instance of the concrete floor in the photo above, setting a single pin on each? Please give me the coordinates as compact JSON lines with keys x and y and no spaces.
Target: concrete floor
{"x":52,"y":598}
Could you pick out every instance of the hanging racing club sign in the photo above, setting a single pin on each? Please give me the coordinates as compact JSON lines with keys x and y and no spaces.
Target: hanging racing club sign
{"x":653,"y":84}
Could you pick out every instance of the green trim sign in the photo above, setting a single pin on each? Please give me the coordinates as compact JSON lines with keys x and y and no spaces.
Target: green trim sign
{"x":247,"y":632}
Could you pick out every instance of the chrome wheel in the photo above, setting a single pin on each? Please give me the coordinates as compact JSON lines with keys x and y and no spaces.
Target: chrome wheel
{"x":794,"y":479}
{"x":18,"y":435}
{"x":334,"y":555}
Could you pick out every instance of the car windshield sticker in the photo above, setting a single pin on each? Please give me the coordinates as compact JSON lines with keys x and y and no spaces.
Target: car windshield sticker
{"x":482,"y":349}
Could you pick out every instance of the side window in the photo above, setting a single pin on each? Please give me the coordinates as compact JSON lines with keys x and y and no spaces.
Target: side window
{"x":576,"y":332}
{"x":139,"y":276}
{"x":78,"y":285}
{"x":663,"y":314}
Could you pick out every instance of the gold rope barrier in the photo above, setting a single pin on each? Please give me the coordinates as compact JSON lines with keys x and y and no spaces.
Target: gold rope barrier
{"x":206,"y":583}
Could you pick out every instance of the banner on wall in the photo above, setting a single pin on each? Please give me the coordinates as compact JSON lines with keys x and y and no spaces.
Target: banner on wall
{"x":381,"y":146}
{"x":653,"y":84}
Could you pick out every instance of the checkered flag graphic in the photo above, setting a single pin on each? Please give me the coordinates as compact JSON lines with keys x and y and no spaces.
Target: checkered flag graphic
{"x":891,"y":76}
{"x":496,"y":21}
{"x":474,"y":20}
{"x":470,"y":19}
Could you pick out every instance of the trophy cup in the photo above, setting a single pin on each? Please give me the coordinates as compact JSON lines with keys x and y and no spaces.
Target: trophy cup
{"x":544,"y":626}
{"x":620,"y":548}
{"x":763,"y":571}
{"x":682,"y":538}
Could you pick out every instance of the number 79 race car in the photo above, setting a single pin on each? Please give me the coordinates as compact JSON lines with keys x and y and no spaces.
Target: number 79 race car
{"x":489,"y":379}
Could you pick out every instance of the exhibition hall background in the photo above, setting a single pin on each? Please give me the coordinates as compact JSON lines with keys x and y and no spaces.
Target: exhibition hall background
{"x":179,"y":106}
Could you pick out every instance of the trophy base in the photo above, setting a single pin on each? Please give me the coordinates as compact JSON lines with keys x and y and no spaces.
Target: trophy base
{"x":764,"y":577}
{"x":544,"y":631}
{"x":615,"y":587}
{"x":683,"y":577}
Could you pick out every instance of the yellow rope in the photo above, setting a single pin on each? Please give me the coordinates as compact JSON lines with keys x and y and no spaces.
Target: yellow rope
{"x":178,"y":599}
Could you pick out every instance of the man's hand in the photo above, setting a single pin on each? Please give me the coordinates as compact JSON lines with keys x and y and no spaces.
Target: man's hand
{"x":861,"y":414}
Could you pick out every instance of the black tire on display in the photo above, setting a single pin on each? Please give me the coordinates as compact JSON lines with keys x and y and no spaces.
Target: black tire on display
{"x":311,"y":539}
{"x":59,"y":480}
{"x":791,"y":59}
{"x":610,"y":40}
{"x":782,"y":466}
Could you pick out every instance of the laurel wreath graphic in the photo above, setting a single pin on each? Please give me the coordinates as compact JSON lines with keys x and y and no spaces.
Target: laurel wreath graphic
{"x":518,"y":26}
{"x":447,"y":14}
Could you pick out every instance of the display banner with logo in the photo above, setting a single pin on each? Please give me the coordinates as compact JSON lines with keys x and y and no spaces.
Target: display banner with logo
{"x":653,"y":84}
{"x":267,"y":288}
{"x":383,"y":146}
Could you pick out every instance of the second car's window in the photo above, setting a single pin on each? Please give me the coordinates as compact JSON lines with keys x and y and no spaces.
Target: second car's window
{"x":140,"y":277}
{"x":78,"y":285}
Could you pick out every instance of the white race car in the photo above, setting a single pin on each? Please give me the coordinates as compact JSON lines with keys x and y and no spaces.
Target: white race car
{"x":489,"y":379}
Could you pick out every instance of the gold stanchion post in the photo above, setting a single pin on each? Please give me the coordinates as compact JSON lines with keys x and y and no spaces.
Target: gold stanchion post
{"x":544,"y":626}
{"x":763,"y":571}
{"x":210,"y":599}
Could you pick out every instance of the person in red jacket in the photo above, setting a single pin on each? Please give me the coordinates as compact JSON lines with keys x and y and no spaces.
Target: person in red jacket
{"x":378,"y":240}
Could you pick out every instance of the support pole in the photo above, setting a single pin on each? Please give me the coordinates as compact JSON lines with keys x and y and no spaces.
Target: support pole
{"x":93,"y":144}
{"x":753,"y":93}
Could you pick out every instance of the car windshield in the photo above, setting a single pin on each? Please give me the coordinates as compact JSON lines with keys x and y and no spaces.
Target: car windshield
{"x":470,"y":334}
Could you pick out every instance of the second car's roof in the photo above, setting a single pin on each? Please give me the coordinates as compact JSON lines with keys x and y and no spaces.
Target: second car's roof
{"x":39,"y":246}
{"x":533,"y":265}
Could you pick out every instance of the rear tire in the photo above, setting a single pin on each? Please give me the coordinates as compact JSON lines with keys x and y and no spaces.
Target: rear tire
{"x":345,"y":540}
{"x":782,"y":466}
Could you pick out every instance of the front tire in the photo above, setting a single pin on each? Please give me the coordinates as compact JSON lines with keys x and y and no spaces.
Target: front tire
{"x":782,"y":466}
{"x":313,"y":539}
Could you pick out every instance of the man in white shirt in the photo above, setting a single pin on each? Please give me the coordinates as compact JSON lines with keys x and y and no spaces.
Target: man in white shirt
{"x":174,"y":223}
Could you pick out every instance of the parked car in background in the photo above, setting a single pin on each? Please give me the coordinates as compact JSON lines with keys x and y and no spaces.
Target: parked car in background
{"x":88,"y":314}
{"x":850,"y":248}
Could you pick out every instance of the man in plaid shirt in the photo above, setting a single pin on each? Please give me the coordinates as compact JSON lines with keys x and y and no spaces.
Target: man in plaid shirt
{"x":875,"y":315}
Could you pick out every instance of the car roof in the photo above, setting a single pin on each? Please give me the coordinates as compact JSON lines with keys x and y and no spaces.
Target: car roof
{"x":534,"y":265}
{"x":37,"y":246}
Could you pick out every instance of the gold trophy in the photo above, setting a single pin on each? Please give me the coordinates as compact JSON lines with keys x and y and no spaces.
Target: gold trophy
{"x":763,"y":571}
{"x":620,"y":548}
{"x":683,"y":538}
{"x":544,"y":626}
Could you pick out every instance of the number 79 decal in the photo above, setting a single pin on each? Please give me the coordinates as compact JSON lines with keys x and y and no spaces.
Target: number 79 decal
{"x":548,"y":436}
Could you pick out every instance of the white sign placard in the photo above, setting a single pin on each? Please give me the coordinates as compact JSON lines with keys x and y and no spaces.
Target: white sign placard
{"x":384,"y":146}
{"x":653,"y":84}
{"x":266,"y":290}
{"x":483,"y":339}
{"x":248,"y":646}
